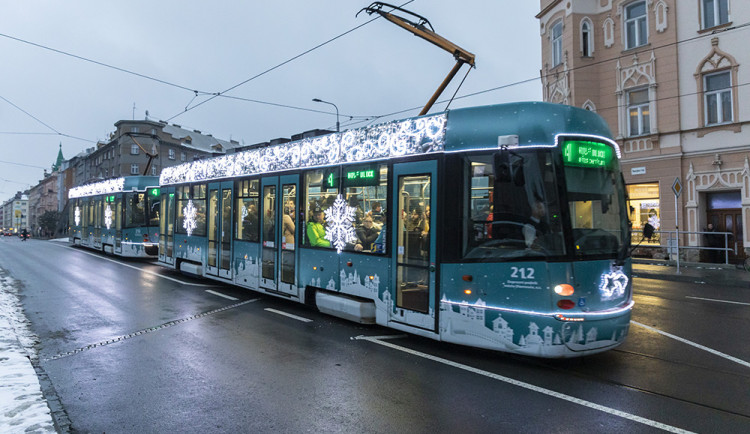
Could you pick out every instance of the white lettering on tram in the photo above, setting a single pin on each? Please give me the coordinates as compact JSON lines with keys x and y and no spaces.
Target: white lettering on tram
{"x":528,"y":386}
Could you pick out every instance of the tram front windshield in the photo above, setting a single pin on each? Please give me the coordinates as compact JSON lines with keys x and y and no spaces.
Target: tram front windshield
{"x":514,"y":208}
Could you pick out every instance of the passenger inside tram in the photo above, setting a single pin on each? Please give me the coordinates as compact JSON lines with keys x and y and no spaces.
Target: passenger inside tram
{"x":316,"y":231}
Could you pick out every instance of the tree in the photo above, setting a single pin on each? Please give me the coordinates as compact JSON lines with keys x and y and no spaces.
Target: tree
{"x":48,"y":221}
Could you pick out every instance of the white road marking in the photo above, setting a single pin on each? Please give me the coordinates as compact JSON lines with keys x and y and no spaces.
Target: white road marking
{"x":701,"y":347}
{"x":528,"y":386}
{"x":139,"y":269}
{"x":221,"y":295}
{"x":718,"y":301}
{"x":298,"y":318}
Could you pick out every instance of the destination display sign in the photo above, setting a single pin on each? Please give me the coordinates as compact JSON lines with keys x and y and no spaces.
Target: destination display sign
{"x":584,"y":153}
{"x":362,"y":176}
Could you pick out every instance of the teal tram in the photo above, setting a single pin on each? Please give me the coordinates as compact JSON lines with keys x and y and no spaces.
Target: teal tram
{"x":502,"y":227}
{"x":117,"y":216}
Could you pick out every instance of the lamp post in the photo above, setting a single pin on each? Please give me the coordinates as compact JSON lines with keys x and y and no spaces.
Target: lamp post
{"x":334,"y":105}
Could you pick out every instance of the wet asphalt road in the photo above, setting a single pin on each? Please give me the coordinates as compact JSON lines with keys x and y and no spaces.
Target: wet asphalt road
{"x":129,"y":346}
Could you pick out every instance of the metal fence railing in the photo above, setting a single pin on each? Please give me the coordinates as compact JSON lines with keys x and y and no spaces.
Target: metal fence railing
{"x":730,"y":245}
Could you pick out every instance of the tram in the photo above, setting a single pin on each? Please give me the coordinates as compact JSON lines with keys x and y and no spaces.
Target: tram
{"x":117,"y":216}
{"x":502,"y":227}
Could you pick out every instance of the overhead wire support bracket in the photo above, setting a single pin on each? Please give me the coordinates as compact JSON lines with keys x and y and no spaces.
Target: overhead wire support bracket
{"x":424,"y":30}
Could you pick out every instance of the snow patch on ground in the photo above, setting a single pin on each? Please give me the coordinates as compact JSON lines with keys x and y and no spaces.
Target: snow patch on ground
{"x":22,"y":405}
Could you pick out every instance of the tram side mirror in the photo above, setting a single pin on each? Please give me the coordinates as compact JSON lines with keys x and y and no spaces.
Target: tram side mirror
{"x":648,"y":231}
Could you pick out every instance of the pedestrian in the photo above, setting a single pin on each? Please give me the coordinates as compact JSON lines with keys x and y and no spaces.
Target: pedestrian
{"x":714,"y":241}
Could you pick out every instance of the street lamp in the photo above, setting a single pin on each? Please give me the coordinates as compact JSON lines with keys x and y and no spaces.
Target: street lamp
{"x":334,"y":105}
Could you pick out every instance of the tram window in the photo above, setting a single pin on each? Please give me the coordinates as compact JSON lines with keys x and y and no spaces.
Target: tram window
{"x":196,"y":193}
{"x":321,"y":190}
{"x":153,"y":200}
{"x":365,"y":189}
{"x":135,"y":210}
{"x":511,"y":206}
{"x":247,"y":210}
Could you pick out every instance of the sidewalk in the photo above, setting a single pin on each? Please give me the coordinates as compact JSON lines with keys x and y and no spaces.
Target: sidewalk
{"x":714,"y":274}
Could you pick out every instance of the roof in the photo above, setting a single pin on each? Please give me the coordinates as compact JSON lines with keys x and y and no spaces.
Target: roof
{"x":198,"y":140}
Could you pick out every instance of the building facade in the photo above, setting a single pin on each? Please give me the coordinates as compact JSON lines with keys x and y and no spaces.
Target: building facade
{"x":42,"y":198}
{"x":668,"y":78}
{"x":144,"y":147}
{"x":15,"y":213}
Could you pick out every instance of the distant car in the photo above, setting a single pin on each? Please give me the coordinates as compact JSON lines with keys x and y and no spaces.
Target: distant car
{"x":7,"y":233}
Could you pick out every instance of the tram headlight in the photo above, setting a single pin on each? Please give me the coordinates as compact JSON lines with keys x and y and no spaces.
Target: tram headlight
{"x":564,"y":290}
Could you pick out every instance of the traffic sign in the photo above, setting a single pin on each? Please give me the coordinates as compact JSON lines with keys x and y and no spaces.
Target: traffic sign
{"x":677,"y":187}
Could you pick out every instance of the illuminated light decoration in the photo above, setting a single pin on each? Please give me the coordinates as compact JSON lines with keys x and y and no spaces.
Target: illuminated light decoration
{"x":108,"y":217}
{"x":583,"y":315}
{"x":613,"y":284}
{"x":340,"y":224}
{"x":102,"y":187}
{"x":419,"y":136}
{"x":190,"y":213}
{"x":77,"y":214}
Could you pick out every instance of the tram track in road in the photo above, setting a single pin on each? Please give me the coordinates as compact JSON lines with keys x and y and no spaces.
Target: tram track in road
{"x":147,"y":330}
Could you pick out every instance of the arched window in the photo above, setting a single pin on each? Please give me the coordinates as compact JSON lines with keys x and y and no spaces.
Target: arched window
{"x":587,"y":38}
{"x":556,"y":43}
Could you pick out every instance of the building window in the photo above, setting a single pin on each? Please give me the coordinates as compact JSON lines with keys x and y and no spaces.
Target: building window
{"x":638,"y":112}
{"x":153,"y":170}
{"x":182,"y":156}
{"x":644,"y":208}
{"x":171,"y":154}
{"x":134,"y":169}
{"x":133,"y":129}
{"x":587,"y":38}
{"x":134,"y":149}
{"x":636,"y":26}
{"x":557,"y":30}
{"x":717,"y":96}
{"x":715,"y":12}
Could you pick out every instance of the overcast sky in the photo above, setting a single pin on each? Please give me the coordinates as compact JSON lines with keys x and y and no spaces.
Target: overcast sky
{"x":48,"y":98}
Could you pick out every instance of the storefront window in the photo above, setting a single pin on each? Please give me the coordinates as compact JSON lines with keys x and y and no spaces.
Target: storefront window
{"x":644,"y":208}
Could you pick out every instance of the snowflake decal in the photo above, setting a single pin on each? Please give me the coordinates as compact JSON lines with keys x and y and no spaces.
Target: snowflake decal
{"x":340,"y":224}
{"x":190,"y":213}
{"x":613,"y":284}
{"x":108,"y":216}
{"x":78,"y":216}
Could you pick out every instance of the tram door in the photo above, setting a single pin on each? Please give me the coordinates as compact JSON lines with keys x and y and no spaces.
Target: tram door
{"x":166,"y":227}
{"x":118,"y":223}
{"x":279,"y":233}
{"x":414,"y":241}
{"x":219,"y":229}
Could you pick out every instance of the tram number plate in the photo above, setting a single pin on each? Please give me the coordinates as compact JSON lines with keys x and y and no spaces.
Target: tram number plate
{"x":521,"y":273}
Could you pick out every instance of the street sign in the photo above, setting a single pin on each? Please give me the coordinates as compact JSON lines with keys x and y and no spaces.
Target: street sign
{"x":677,"y":187}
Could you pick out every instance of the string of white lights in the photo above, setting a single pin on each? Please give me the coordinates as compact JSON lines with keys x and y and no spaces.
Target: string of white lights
{"x":393,"y":139}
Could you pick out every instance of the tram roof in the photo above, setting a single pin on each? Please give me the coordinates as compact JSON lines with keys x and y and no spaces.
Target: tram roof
{"x":534,"y":123}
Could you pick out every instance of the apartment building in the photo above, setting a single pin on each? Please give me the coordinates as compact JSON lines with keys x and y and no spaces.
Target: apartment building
{"x":667,"y":76}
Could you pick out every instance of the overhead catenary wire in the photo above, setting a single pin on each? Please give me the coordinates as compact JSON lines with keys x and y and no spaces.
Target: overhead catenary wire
{"x":614,"y":59}
{"x":222,"y":93}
